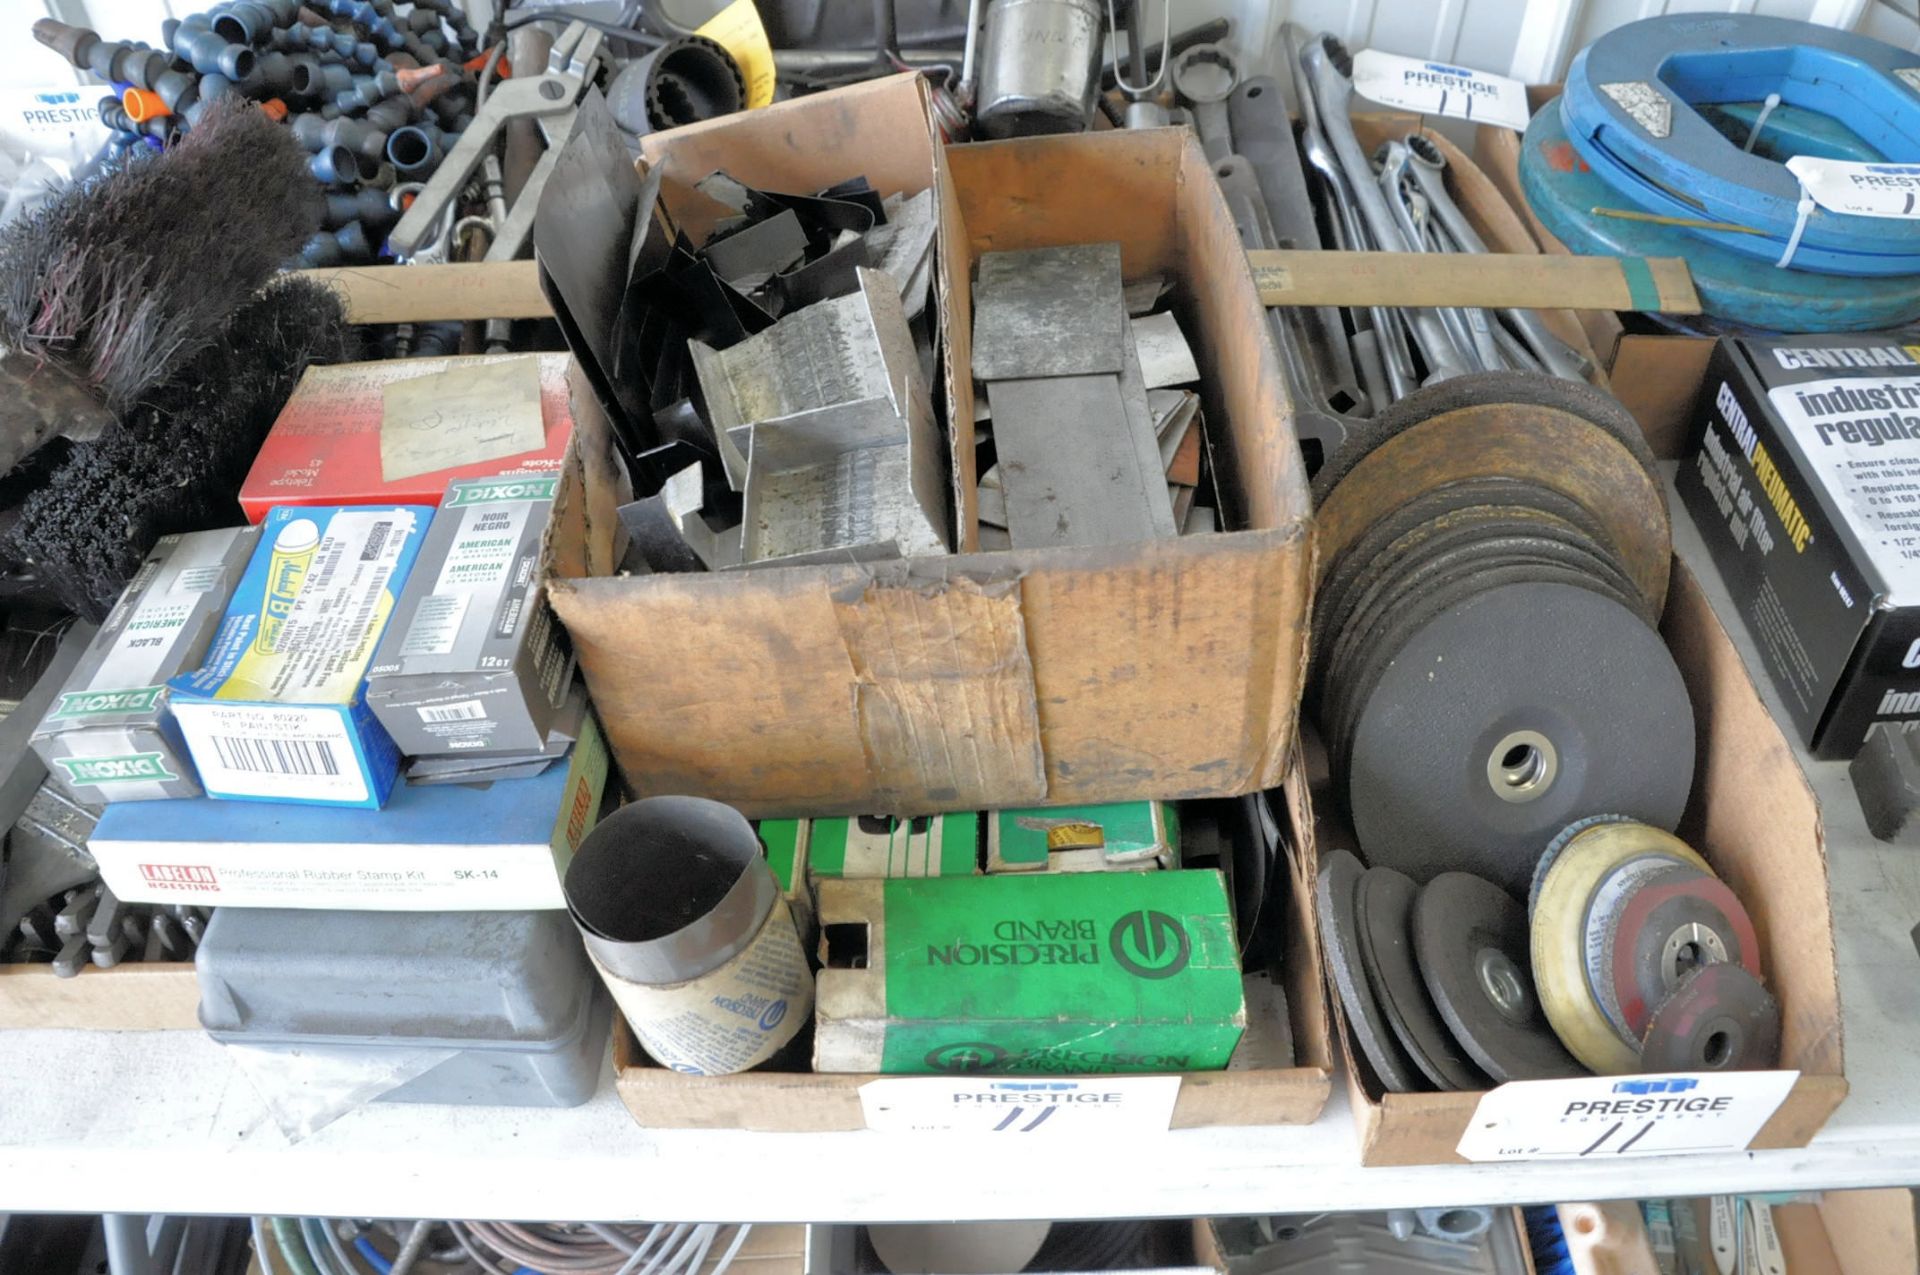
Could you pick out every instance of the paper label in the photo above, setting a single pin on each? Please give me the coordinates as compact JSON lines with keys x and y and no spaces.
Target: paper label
{"x":1861,"y":189}
{"x":436,"y":624}
{"x":1087,"y":1105}
{"x":1596,"y":1117}
{"x":738,"y":29}
{"x":1647,"y":105}
{"x":287,"y":752}
{"x":733,"y":1018}
{"x":1434,"y":88}
{"x":454,"y":418}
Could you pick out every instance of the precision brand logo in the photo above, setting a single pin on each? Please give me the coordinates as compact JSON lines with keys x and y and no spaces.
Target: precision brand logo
{"x":966,"y":1056}
{"x":1150,"y":944}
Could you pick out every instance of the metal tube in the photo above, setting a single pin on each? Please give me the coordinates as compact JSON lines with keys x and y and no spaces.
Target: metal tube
{"x":1333,"y":94}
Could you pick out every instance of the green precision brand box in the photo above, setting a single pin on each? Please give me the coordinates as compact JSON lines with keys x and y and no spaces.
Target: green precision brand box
{"x":785,"y":841}
{"x":1136,"y":836}
{"x":1032,"y":974}
{"x":889,"y":846}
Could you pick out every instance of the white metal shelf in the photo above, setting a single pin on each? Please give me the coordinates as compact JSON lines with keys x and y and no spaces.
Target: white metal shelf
{"x":164,"y":1123}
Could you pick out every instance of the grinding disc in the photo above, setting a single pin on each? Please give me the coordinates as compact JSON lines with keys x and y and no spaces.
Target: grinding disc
{"x":1423,"y":598}
{"x":1610,"y":899}
{"x":1719,"y":1019}
{"x":1505,"y":717}
{"x":1385,"y":905}
{"x":1558,"y":934}
{"x":1470,"y":938}
{"x":1334,"y":897}
{"x":1552,"y":853}
{"x":1668,"y":929}
{"x":1558,"y":449}
{"x":1477,"y":389}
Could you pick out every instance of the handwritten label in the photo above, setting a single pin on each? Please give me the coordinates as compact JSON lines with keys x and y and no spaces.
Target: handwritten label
{"x":1602,"y":1117}
{"x":1865,"y":190}
{"x":1435,"y":88}
{"x":737,"y":28}
{"x":481,"y":412}
{"x":1062,"y":1106}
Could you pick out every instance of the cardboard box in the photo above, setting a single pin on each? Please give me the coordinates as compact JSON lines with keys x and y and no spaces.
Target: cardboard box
{"x":134,"y":996}
{"x":1834,"y":1233}
{"x":279,"y":712}
{"x":1757,"y":822}
{"x":974,"y":681}
{"x":325,"y":446}
{"x":1803,"y":474}
{"x":434,"y":848}
{"x":1028,"y":975}
{"x":1251,"y":1091}
{"x":472,"y":661}
{"x":110,"y":736}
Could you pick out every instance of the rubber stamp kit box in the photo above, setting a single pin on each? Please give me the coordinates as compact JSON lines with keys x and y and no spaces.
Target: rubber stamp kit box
{"x":278,"y":712}
{"x":472,"y":661}
{"x":1804,"y":478}
{"x":110,"y":735}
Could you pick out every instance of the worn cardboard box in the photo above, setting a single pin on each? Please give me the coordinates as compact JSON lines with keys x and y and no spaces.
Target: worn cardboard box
{"x":1800,"y":473}
{"x":977,"y":680}
{"x":472,"y":661}
{"x":110,"y":736}
{"x":1833,"y":1233}
{"x":1754,"y":818}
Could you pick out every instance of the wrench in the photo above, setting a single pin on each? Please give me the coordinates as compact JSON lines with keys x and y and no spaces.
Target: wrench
{"x":1427,"y":164}
{"x":1333,"y":97}
{"x":1392,"y":158}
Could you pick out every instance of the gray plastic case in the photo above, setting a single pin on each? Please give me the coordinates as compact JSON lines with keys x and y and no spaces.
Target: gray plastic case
{"x":511,"y":990}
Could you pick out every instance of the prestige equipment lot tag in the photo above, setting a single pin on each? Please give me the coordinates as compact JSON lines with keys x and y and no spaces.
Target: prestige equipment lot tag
{"x":1434,"y":88}
{"x":1596,"y":1117}
{"x":1074,"y":1107}
{"x":1862,"y":189}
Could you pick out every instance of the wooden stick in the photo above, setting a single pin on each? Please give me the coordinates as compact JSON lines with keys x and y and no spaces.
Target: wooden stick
{"x":421,"y":294}
{"x":1535,"y":281}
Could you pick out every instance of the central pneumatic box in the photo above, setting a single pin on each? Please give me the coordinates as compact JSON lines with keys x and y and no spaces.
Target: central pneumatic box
{"x":472,"y":661}
{"x":1804,"y":477}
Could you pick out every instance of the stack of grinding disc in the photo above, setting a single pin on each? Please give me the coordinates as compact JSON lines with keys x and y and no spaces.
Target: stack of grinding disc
{"x":1487,"y":678}
{"x":1485,"y":667}
{"x":1643,"y":958}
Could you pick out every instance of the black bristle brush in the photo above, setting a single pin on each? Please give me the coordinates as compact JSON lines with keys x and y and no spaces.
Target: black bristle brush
{"x":111,"y":289}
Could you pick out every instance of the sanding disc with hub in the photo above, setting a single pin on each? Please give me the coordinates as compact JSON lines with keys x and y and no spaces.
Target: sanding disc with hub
{"x":1506,"y":716}
{"x":1385,"y":904}
{"x":1720,"y":1018}
{"x":1470,"y":938}
{"x":1666,"y":931}
{"x":1559,"y":931}
{"x":1334,"y":898}
{"x":1610,"y":900}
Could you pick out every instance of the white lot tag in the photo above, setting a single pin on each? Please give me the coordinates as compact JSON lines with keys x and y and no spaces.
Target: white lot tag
{"x":1070,"y":1105}
{"x":1865,"y":190}
{"x":1434,"y":88}
{"x":1596,"y":1117}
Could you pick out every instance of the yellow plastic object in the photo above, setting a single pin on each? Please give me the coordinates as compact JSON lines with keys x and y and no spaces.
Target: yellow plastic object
{"x":738,"y":30}
{"x":1559,"y":936}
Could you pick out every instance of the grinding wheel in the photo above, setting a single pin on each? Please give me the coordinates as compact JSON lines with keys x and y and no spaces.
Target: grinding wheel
{"x":1666,"y":931}
{"x":1552,"y":853}
{"x":1558,"y":934}
{"x":1470,"y":938}
{"x":1720,"y":1018}
{"x":1334,"y":897}
{"x":1506,"y":716}
{"x":1477,"y":389}
{"x":1610,"y":899}
{"x":1385,"y":905}
{"x":1558,"y":449}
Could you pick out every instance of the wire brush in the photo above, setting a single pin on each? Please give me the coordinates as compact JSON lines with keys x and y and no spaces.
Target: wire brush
{"x":120,"y":282}
{"x":175,"y":463}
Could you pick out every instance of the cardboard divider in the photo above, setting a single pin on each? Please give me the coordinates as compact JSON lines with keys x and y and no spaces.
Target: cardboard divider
{"x":134,"y":996}
{"x":807,"y":1102}
{"x":1753,"y":817}
{"x":974,"y":681}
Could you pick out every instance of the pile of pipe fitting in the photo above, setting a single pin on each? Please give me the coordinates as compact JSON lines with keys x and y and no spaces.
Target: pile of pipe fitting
{"x":376,"y":95}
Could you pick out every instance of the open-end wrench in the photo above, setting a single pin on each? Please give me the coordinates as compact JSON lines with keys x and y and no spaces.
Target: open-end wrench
{"x":1333,"y":97}
{"x":1392,"y":161}
{"x":1427,"y":165}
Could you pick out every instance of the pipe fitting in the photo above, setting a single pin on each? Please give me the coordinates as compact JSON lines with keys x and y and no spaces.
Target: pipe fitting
{"x":392,"y":112}
{"x":335,"y":166}
{"x":196,"y":44}
{"x":177,"y":89}
{"x":346,"y":246}
{"x":70,"y":42}
{"x":368,"y":206}
{"x":142,"y":105}
{"x":245,"y":22}
{"x":416,"y":149}
{"x":272,"y":75}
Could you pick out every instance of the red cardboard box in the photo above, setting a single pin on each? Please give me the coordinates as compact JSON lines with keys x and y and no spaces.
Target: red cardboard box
{"x":324,"y":448}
